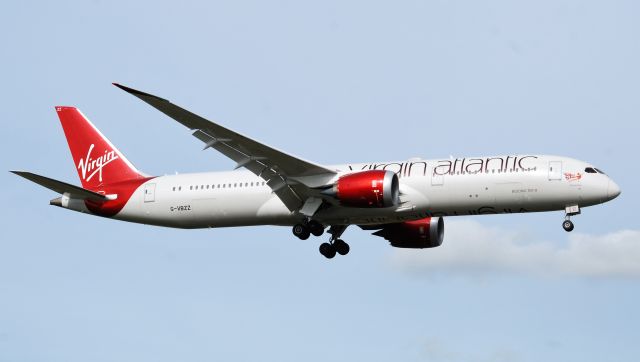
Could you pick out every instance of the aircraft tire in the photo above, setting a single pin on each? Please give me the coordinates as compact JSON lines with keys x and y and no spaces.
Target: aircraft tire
{"x":341,"y":247}
{"x":327,"y":250}
{"x":567,"y":225}
{"x":301,"y":231}
{"x":316,"y":228}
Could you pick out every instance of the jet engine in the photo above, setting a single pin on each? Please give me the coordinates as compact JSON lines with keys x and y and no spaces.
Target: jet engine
{"x":417,"y":234}
{"x":367,"y":189}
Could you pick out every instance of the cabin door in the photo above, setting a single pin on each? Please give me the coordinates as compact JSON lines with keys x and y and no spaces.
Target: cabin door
{"x":555,"y":170}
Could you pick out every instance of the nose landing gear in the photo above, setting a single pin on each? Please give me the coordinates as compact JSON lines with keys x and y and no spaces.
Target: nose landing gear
{"x":567,"y":224}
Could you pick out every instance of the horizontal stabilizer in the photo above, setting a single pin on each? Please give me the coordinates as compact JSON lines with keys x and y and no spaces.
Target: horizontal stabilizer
{"x":62,"y":187}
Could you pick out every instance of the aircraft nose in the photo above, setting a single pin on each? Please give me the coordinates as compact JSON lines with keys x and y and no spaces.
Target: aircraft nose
{"x":613,"y":190}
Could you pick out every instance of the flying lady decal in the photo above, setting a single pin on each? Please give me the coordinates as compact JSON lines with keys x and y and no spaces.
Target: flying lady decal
{"x":572,"y":176}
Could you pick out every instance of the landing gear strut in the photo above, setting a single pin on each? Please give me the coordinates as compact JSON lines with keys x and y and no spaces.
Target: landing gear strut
{"x":567,"y":224}
{"x":335,"y":245}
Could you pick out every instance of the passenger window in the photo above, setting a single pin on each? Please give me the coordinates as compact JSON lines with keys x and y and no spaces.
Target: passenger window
{"x":246,"y":184}
{"x":190,"y":187}
{"x":174,"y":188}
{"x":179,"y":188}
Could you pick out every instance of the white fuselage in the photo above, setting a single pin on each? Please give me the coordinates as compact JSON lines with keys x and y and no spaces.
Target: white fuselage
{"x":462,"y":186}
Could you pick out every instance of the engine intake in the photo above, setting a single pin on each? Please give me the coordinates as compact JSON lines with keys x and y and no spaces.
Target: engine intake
{"x":417,"y":234}
{"x":367,"y":189}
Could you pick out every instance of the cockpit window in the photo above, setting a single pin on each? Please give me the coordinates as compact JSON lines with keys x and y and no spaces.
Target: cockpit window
{"x":593,"y":170}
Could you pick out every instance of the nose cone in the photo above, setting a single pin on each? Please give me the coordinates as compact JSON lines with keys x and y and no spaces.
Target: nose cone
{"x":613,"y":190}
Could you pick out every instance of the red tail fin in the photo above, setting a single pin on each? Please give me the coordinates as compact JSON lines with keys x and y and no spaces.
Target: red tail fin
{"x":98,"y":162}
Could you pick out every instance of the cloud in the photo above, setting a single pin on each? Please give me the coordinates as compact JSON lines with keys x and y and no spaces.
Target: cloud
{"x":471,"y":248}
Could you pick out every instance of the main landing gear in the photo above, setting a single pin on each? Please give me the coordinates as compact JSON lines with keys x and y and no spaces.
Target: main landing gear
{"x":335,"y":244}
{"x":304,"y":230}
{"x":329,"y":249}
{"x":567,"y":224}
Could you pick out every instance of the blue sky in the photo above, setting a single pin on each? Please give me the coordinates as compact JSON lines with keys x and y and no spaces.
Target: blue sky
{"x":332,"y":82}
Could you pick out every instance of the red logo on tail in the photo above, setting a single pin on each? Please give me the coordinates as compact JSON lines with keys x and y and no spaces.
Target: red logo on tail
{"x":93,"y":166}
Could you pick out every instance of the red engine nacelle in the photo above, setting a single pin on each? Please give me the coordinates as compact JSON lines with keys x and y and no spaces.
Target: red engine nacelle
{"x":375,"y":188}
{"x":418,"y":234}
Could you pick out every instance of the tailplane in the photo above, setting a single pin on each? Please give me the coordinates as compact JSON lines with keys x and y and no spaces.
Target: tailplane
{"x":97,"y":161}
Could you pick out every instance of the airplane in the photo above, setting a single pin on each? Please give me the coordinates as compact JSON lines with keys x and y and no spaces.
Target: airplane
{"x":404,"y":202}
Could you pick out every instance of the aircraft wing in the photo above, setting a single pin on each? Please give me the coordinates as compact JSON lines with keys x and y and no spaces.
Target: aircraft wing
{"x":282,"y":171}
{"x":61,"y":187}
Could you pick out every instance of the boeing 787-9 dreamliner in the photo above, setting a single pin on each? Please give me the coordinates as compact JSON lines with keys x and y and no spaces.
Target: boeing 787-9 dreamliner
{"x":402,"y":201}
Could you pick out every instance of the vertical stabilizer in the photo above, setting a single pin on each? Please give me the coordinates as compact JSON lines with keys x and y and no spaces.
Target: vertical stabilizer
{"x":97,"y":161}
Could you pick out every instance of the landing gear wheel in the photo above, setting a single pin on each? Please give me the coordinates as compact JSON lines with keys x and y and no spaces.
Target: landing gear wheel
{"x":341,"y":247}
{"x":327,"y":250}
{"x":301,"y":231}
{"x":315,"y":228}
{"x":567,"y":225}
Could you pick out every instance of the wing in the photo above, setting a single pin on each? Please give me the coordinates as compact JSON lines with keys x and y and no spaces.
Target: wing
{"x":62,"y":187}
{"x":284,"y":173}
